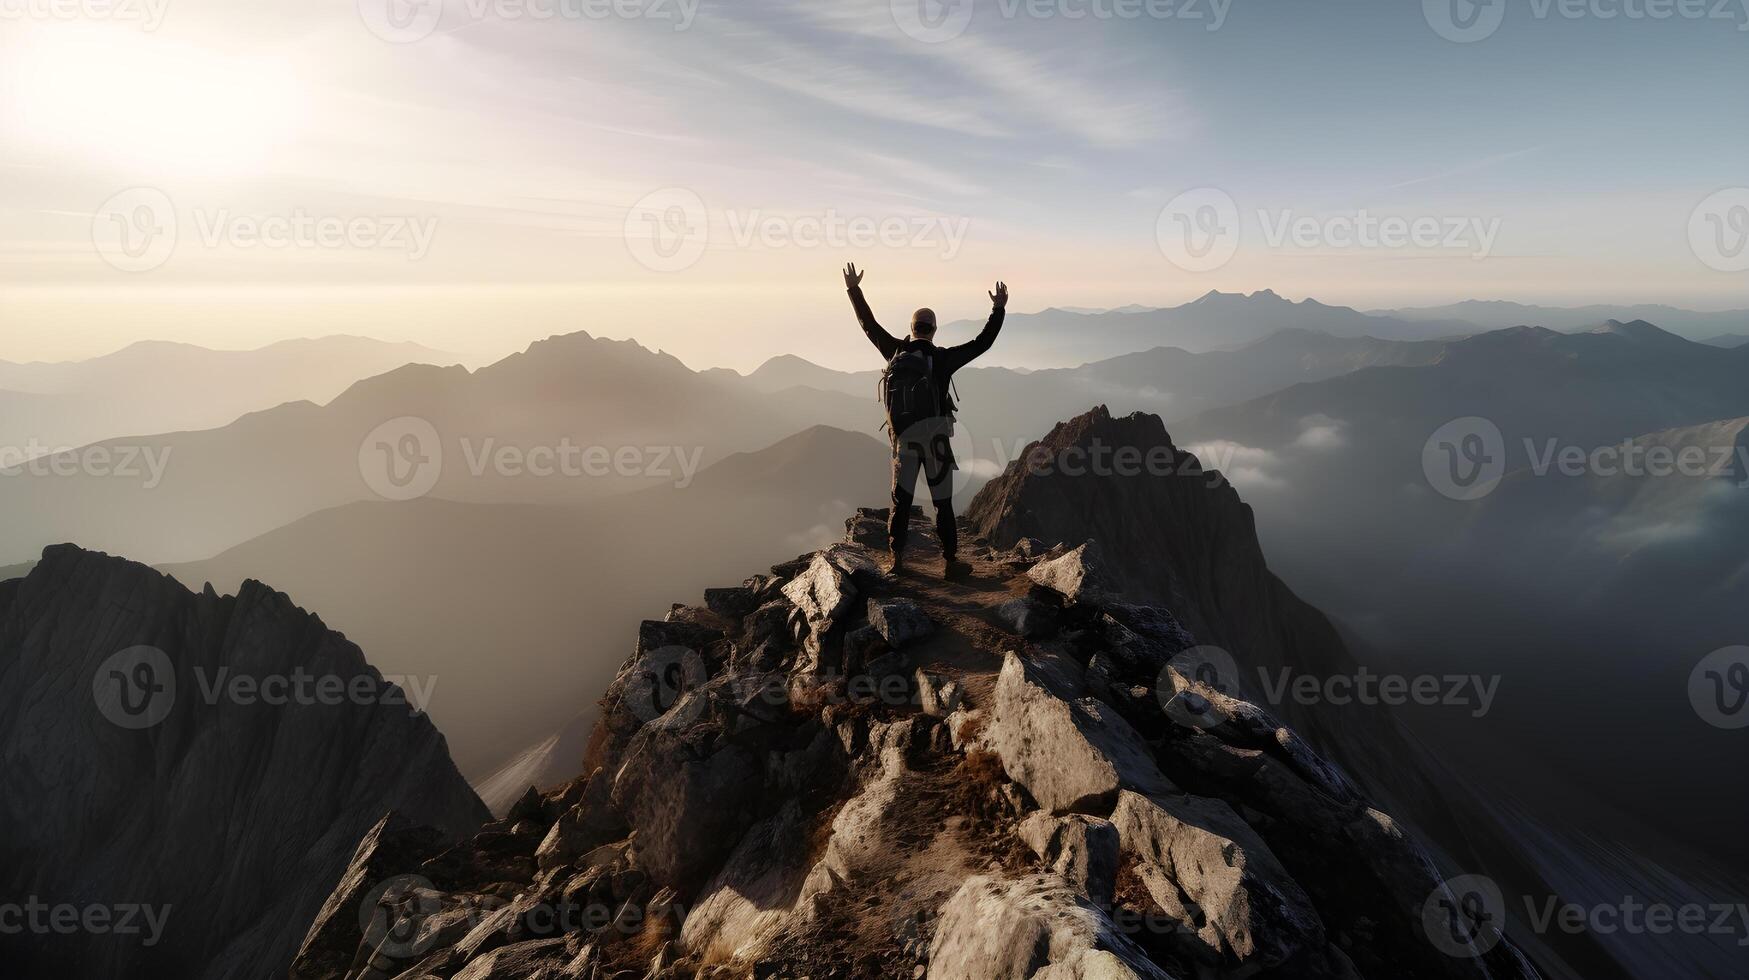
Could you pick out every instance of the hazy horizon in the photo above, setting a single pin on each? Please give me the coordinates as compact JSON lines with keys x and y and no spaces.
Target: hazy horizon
{"x":694,"y":174}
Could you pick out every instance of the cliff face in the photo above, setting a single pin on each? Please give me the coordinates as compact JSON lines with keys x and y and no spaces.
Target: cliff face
{"x":190,"y":772}
{"x":828,"y":771}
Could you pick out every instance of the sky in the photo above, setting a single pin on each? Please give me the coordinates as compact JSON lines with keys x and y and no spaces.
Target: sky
{"x":477,"y":174}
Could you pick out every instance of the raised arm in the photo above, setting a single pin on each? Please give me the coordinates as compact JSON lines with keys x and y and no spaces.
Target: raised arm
{"x":973,"y":349}
{"x":884,"y":342}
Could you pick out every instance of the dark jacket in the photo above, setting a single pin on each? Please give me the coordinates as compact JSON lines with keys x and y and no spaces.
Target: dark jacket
{"x":947,"y":359}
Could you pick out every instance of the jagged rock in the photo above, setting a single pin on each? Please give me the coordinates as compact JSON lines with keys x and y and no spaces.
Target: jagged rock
{"x":654,"y":635}
{"x":1206,"y":868}
{"x":389,"y":849}
{"x":522,"y":961}
{"x":686,"y":802}
{"x":937,"y":696}
{"x":734,"y":602}
{"x":1083,"y":849}
{"x":899,"y":621}
{"x":861,"y":645}
{"x":1027,"y":617}
{"x":1071,"y":755}
{"x":1034,"y":927}
{"x":1155,"y":625}
{"x":1079,"y":576}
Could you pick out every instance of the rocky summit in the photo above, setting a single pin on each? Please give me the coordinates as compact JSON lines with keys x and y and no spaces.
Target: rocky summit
{"x":828,"y":771}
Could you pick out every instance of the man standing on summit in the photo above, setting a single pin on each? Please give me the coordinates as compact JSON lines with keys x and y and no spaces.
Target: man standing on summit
{"x":915,"y":391}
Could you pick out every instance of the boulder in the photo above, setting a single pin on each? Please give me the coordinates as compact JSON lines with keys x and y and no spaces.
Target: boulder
{"x":687,"y":803}
{"x":1028,"y":618}
{"x":733,"y":602}
{"x":1083,"y":849}
{"x":1207,"y":868}
{"x":822,"y":592}
{"x":1072,"y":756}
{"x":937,"y":696}
{"x":1034,"y":927}
{"x":899,"y":621}
{"x":1079,"y":576}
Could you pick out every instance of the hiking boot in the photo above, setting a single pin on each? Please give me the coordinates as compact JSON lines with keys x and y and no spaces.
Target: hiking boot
{"x":954,"y":570}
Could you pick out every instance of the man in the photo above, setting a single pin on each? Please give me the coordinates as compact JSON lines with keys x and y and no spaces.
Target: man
{"x":921,"y":432}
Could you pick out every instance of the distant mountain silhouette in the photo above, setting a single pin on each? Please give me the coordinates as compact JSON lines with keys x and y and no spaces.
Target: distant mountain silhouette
{"x":223,"y":486}
{"x":1728,"y":340}
{"x":154,"y":386}
{"x":1016,"y":407}
{"x":1496,"y":314}
{"x":453,"y":589}
{"x":1217,"y":320}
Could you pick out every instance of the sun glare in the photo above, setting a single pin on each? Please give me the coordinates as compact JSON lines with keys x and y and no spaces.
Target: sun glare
{"x":115,"y":97}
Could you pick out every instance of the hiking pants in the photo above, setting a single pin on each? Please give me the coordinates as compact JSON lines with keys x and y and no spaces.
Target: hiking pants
{"x":930,"y":453}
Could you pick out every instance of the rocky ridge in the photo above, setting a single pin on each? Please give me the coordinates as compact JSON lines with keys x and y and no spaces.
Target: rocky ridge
{"x":827,"y":771}
{"x":141,"y":786}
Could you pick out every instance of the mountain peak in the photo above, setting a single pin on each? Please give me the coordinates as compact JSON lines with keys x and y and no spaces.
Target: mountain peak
{"x":1640,"y":331}
{"x":770,"y":763}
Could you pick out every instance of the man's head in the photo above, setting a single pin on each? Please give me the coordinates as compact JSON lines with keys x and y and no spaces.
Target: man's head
{"x":923,"y":324}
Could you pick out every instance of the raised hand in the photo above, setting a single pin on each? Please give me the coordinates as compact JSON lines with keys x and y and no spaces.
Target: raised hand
{"x":1000,"y":296}
{"x":852,"y":278}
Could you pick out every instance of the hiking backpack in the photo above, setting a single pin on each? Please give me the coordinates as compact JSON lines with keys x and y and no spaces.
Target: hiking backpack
{"x":908,"y":390}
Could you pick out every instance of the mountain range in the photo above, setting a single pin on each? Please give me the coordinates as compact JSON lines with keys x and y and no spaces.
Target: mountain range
{"x":153,"y":387}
